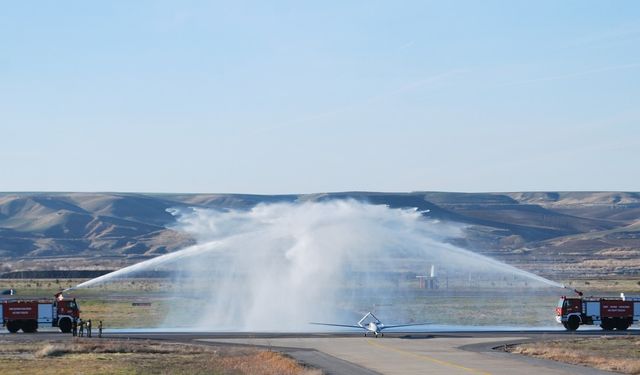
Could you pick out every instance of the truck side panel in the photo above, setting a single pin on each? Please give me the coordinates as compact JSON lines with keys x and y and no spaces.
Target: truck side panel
{"x":45,"y":313}
{"x":593,"y":309}
{"x":616,"y":309}
{"x":20,"y":310}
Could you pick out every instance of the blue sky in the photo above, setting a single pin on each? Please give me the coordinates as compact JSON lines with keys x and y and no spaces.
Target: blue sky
{"x":300,"y":97}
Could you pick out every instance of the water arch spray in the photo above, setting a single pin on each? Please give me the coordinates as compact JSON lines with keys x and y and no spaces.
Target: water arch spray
{"x":279,"y":266}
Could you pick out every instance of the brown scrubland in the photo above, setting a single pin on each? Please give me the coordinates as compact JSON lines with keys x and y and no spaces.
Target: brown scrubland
{"x":619,"y":354}
{"x":107,"y":356}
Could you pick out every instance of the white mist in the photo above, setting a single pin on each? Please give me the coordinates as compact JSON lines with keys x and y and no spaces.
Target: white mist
{"x":279,"y":266}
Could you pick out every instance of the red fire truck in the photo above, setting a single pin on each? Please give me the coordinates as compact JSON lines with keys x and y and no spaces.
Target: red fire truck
{"x":607,"y":312}
{"x":30,"y":314}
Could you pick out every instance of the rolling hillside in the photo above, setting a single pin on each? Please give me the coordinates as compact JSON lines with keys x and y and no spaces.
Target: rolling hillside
{"x":583,"y":233}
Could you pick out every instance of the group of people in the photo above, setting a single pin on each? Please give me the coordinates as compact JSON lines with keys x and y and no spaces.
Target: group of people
{"x":80,"y":326}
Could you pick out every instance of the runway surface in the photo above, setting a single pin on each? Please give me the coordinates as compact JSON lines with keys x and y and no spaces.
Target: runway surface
{"x":400,"y":353}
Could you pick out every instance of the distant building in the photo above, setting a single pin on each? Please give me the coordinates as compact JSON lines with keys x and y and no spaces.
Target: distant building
{"x":429,"y":282}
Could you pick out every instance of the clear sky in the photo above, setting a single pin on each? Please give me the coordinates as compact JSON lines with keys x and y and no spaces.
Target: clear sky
{"x":302,"y":96}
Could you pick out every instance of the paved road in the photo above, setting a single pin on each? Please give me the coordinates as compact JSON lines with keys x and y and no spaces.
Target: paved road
{"x":396,"y":353}
{"x":435,"y":355}
{"x":401,"y":353}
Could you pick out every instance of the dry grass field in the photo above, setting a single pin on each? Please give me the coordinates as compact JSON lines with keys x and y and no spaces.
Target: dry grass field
{"x":143,"y":303}
{"x":607,"y":285}
{"x":619,"y":354}
{"x":106,"y":356}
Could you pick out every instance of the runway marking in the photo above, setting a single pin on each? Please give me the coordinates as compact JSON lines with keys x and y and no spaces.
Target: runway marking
{"x":428,"y":358}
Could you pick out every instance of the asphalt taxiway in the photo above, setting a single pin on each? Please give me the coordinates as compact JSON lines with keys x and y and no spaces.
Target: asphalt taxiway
{"x":399,"y":353}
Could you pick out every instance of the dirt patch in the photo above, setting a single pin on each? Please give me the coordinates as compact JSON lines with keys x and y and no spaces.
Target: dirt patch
{"x":619,"y":354}
{"x":108,"y":356}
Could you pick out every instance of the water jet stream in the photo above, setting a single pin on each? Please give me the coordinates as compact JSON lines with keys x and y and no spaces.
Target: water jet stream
{"x":278,"y":266}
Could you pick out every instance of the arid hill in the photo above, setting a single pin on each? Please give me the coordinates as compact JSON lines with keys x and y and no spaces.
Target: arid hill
{"x":576,"y":233}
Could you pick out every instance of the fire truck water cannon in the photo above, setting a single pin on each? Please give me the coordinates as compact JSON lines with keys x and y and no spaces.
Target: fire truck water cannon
{"x":30,"y":314}
{"x":608,"y":312}
{"x":576,"y":291}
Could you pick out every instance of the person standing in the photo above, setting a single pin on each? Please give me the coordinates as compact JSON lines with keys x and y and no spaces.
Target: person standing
{"x":81,"y":334}
{"x":100,"y":329}
{"x":74,"y":328}
{"x":89,"y":328}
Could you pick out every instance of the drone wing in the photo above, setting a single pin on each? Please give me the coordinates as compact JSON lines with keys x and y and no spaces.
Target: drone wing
{"x":403,"y":325}
{"x":337,"y":325}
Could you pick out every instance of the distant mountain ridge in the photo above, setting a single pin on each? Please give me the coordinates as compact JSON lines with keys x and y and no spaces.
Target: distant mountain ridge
{"x":541,"y":231}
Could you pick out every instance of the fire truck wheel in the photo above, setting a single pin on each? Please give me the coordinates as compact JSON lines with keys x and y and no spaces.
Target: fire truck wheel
{"x":573,"y":323}
{"x":607,"y":325}
{"x":29,"y":326}
{"x":65,"y":325}
{"x":622,"y":325}
{"x":13,"y":326}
